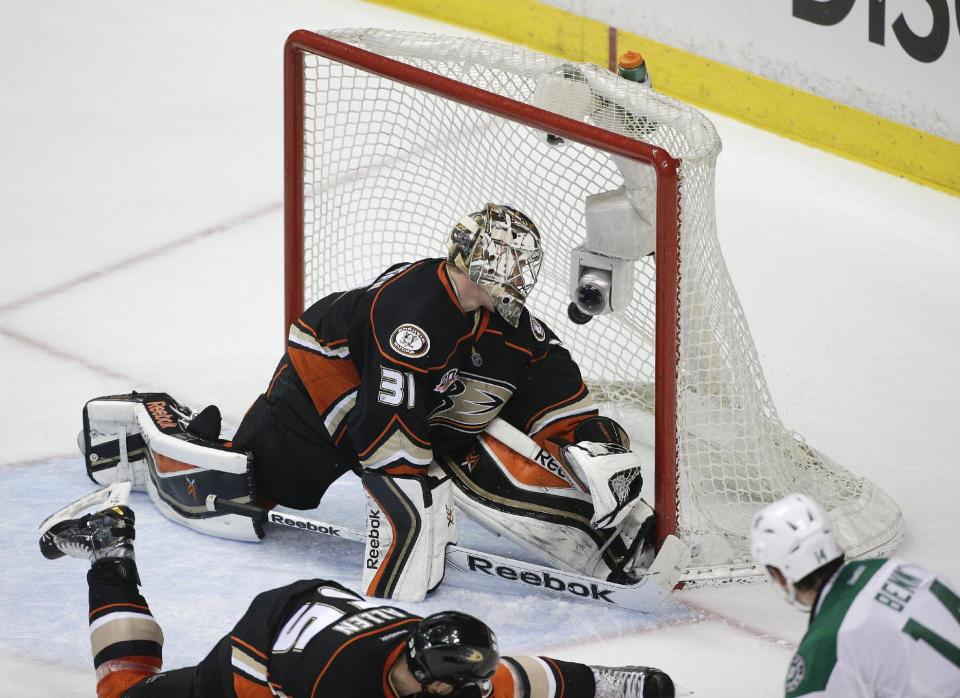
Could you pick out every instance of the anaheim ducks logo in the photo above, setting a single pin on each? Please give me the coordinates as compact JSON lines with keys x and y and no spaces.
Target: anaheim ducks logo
{"x":474,"y":656}
{"x":410,"y":340}
{"x":471,"y":403}
{"x":448,"y":379}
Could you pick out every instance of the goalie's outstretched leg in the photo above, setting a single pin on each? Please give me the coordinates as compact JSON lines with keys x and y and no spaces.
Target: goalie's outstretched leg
{"x":175,"y":455}
{"x":529,"y":504}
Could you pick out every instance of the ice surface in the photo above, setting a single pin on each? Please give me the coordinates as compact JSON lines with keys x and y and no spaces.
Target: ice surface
{"x":140,"y":235}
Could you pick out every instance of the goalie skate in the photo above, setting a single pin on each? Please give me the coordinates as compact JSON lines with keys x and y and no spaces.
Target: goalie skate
{"x":631,"y":682}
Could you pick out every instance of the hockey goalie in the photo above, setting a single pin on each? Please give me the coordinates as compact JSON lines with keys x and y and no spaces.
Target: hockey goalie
{"x":433,"y":384}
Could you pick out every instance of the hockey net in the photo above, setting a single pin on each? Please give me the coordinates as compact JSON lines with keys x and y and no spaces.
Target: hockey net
{"x":392,"y":136}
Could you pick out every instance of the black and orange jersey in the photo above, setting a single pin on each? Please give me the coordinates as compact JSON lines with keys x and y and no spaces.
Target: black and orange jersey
{"x":397,"y":372}
{"x":313,"y":638}
{"x":316,"y":638}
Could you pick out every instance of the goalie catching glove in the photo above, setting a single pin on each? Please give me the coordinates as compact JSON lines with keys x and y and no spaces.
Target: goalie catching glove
{"x":608,"y":469}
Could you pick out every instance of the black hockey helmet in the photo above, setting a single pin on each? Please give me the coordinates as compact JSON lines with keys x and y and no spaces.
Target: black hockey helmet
{"x":455,"y":648}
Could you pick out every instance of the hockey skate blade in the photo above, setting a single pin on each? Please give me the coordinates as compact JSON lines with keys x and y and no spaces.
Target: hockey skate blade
{"x":115,"y":494}
{"x":670,"y":563}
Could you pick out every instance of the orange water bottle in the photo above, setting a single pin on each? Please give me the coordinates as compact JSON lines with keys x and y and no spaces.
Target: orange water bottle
{"x":632,"y":67}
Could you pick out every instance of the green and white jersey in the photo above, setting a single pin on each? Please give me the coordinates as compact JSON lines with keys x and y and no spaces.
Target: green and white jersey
{"x":881,"y":628}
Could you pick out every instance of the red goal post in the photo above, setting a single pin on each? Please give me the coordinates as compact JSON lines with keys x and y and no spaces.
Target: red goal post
{"x":385,"y":130}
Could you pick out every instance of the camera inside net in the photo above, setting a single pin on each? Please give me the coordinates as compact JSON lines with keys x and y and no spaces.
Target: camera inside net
{"x":599,"y":284}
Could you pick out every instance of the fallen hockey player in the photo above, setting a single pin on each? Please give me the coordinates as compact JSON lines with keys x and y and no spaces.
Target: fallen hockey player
{"x":310,"y":638}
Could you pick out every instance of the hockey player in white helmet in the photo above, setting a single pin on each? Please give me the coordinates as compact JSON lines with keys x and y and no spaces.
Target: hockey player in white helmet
{"x":399,"y":381}
{"x":878,"y":628}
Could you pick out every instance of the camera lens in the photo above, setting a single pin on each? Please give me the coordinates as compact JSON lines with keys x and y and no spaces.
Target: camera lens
{"x":592,"y":293}
{"x":590,"y":298}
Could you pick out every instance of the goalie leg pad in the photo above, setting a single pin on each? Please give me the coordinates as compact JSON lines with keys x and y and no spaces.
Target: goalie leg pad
{"x":549,"y":521}
{"x":177,"y":468}
{"x":410,"y":521}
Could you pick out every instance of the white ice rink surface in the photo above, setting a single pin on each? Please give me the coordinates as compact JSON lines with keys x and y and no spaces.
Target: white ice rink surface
{"x":141,"y":247}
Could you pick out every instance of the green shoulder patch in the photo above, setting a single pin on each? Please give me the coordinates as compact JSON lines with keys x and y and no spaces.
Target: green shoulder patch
{"x":816,"y":657}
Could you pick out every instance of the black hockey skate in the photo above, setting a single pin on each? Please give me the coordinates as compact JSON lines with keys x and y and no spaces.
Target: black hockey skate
{"x":105,"y":534}
{"x":631,"y":682}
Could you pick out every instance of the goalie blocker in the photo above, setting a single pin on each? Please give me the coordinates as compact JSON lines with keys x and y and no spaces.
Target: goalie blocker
{"x":152,"y":441}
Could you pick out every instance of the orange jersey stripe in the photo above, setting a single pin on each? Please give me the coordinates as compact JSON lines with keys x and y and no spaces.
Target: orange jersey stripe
{"x":403,"y":470}
{"x":448,"y":284}
{"x":521,"y":468}
{"x":561,"y":684}
{"x":245,"y":688}
{"x":116,"y":683}
{"x":573,"y":398}
{"x":118,"y":605}
{"x":275,"y":376}
{"x":503,"y":684}
{"x":560,"y":430}
{"x":388,"y":689}
{"x":325,"y":379}
{"x":249,"y":647}
{"x":387,"y":430}
{"x":406,"y":621}
{"x":518,"y":348}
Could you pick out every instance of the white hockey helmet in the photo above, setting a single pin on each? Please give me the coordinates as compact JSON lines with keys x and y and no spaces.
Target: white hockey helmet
{"x":794,"y":535}
{"x":499,"y":249}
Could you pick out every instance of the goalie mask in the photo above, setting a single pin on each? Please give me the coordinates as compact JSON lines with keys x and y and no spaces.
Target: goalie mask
{"x":499,"y":249}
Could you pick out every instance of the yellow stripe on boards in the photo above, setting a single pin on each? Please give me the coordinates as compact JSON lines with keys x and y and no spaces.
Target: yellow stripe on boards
{"x":846,"y":131}
{"x":525,"y":22}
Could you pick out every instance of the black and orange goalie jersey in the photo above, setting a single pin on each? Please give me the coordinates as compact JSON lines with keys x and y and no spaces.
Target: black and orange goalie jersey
{"x":396,"y":371}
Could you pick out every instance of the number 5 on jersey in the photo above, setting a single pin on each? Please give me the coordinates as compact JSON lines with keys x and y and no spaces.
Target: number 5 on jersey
{"x":394,"y":386}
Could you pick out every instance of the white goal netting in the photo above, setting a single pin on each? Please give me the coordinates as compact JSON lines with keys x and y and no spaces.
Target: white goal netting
{"x":389,"y":167}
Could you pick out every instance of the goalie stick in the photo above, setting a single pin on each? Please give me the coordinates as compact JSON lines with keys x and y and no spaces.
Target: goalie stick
{"x":646,"y":595}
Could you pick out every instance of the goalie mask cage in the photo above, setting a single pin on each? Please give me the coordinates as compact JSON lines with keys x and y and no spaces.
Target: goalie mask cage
{"x":392,"y":136}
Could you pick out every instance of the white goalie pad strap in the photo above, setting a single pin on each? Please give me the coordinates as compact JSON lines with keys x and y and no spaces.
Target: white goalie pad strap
{"x":408,"y":529}
{"x":112,"y":444}
{"x":613,"y":475}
